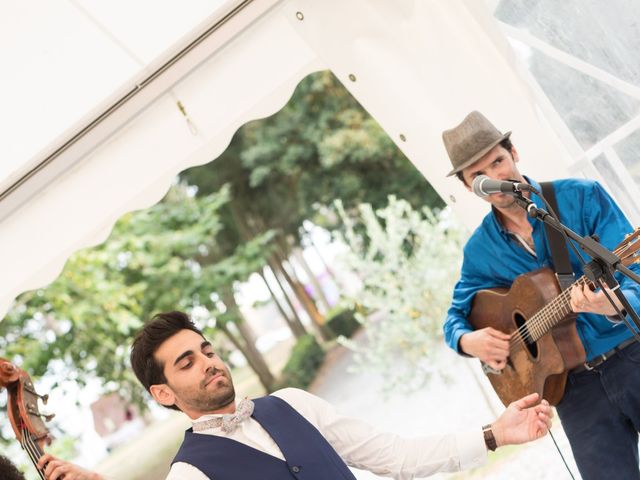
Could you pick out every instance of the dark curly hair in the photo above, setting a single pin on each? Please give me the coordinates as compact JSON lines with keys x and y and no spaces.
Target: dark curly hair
{"x":8,"y":471}
{"x":161,"y":327}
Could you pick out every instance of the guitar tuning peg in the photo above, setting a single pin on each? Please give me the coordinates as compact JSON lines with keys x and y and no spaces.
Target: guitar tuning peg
{"x":48,"y":418}
{"x":44,"y":398}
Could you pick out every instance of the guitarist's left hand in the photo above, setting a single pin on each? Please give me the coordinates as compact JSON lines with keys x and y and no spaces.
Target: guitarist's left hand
{"x":584,"y":300}
{"x":523,"y":421}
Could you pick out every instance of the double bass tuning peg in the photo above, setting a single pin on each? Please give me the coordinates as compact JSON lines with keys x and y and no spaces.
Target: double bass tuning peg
{"x":33,"y":410}
{"x":48,"y":418}
{"x":29,"y":388}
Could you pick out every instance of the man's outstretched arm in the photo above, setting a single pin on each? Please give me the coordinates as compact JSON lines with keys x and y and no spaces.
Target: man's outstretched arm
{"x":523,"y":421}
{"x":363,"y":446}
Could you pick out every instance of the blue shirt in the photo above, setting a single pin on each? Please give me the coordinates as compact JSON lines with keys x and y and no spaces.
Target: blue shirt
{"x":494,"y":258}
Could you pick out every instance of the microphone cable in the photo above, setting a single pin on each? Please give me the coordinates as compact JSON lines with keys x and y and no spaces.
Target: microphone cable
{"x":561,"y":455}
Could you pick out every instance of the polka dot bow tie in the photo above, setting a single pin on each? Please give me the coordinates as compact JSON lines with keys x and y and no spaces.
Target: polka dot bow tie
{"x":229,"y":421}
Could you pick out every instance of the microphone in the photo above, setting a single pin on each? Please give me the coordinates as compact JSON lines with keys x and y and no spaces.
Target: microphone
{"x":483,"y":186}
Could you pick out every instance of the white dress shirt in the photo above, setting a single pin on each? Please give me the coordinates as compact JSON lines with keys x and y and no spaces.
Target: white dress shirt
{"x":358,"y":443}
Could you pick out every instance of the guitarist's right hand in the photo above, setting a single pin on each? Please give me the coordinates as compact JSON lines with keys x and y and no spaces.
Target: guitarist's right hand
{"x":488,"y":344}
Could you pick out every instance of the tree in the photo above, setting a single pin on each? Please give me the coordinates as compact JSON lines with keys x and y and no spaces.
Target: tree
{"x":154,"y":260}
{"x":290,"y":167}
{"x":408,"y":261}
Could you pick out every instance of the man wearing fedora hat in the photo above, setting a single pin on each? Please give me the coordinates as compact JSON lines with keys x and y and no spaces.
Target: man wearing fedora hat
{"x":600,"y":410}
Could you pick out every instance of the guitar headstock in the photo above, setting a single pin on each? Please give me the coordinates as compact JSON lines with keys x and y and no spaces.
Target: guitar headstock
{"x":628,"y":249}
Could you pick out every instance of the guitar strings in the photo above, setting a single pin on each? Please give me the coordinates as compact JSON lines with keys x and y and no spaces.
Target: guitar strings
{"x":546,"y":318}
{"x":533,"y":329}
{"x":32,"y":449}
{"x":538,"y":325}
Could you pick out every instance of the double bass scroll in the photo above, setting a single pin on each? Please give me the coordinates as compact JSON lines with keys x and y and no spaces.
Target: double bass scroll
{"x":24,"y":416}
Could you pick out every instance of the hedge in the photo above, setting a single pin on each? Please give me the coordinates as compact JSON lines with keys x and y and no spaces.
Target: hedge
{"x":303,"y":364}
{"x":343,"y":323}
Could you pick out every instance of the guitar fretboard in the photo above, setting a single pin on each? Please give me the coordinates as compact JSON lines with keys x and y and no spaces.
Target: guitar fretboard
{"x":550,"y":315}
{"x":555,"y":311}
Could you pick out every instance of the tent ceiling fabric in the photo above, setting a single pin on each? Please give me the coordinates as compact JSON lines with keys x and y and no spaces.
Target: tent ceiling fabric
{"x":417,"y":67}
{"x":72,"y":55}
{"x":253,"y":76}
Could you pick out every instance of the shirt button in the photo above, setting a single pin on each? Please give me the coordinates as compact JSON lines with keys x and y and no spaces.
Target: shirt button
{"x":295,"y":469}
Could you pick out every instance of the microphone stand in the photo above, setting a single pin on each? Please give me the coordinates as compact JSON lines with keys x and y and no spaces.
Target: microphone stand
{"x":602,"y":266}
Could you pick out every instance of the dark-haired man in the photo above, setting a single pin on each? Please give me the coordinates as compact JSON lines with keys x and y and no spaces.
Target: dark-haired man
{"x":293,"y":434}
{"x":600,"y":410}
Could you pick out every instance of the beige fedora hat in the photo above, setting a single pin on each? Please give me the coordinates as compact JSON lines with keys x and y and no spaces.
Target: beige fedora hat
{"x":470,"y":141}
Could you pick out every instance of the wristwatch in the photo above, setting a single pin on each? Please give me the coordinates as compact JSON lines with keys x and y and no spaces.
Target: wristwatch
{"x":489,"y":439}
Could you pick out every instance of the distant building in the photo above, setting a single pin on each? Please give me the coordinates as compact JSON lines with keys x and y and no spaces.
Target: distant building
{"x":115,"y":420}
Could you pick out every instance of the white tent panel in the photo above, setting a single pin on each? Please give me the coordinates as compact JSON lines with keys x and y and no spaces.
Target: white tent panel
{"x":418,"y":67}
{"x":250,"y":78}
{"x":62,"y":57}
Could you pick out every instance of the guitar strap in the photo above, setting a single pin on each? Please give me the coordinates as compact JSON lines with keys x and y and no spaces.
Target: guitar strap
{"x":557,"y":245}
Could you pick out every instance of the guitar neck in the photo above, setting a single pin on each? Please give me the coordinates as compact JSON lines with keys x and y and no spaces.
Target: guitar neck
{"x":553,"y":313}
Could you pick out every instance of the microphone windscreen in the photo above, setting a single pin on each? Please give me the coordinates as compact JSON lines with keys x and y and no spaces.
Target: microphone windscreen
{"x":476,"y":186}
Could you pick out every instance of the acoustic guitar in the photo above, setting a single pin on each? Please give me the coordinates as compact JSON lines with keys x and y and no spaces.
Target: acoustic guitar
{"x":544,"y":343}
{"x":24,"y":415}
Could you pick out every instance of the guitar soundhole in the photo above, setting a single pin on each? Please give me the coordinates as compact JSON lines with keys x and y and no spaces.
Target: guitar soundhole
{"x":532,"y":346}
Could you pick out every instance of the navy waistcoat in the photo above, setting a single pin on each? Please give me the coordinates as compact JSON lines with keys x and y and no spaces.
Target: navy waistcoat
{"x":308,"y":455}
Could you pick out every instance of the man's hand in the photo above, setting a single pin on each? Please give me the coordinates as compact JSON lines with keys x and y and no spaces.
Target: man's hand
{"x":488,"y":344}
{"x":523,"y":421}
{"x":59,"y":469}
{"x":584,"y":300}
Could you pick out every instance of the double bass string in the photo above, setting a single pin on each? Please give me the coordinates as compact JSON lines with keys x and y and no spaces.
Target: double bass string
{"x":32,"y":449}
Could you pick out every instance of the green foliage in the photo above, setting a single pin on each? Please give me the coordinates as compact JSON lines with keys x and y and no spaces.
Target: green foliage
{"x":408,"y":261}
{"x":343,"y":322}
{"x":159,"y":259}
{"x":321,"y":146}
{"x":302,"y":366}
{"x":181,"y":253}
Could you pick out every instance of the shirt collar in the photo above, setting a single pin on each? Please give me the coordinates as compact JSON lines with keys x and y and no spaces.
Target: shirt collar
{"x":204,"y":418}
{"x":209,"y":416}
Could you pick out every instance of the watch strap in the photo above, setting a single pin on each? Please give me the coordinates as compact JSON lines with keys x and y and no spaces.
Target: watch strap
{"x":489,"y":438}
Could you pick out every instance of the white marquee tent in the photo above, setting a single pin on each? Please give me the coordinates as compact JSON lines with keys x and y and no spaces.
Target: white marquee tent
{"x":418,"y":66}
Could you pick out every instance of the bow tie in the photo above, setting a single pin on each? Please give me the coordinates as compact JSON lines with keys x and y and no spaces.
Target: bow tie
{"x":229,"y":421}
